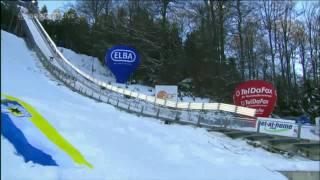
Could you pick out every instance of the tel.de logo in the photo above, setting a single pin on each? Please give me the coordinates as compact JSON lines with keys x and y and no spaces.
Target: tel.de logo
{"x":122,"y":61}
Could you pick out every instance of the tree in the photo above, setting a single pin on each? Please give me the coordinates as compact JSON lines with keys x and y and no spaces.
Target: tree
{"x":44,"y":10}
{"x":92,"y":9}
{"x":286,"y":24}
{"x":312,"y":14}
{"x":300,"y":39}
{"x":267,"y":13}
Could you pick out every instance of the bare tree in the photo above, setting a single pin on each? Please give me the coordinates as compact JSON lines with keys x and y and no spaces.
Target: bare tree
{"x":311,"y":13}
{"x":300,"y":39}
{"x":239,"y":26}
{"x":286,"y":23}
{"x":92,"y":9}
{"x":267,"y":12}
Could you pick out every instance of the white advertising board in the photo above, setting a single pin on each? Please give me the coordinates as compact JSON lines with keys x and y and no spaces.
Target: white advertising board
{"x":281,"y":127}
{"x":167,"y":92}
{"x":310,"y":132}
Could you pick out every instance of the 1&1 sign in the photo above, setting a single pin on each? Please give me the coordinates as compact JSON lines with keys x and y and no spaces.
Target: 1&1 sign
{"x":122,"y":61}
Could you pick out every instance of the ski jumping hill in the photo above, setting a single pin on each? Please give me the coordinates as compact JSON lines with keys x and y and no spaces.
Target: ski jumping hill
{"x":120,"y":145}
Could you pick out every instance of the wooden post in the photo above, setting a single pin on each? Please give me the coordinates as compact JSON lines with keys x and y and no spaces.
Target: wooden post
{"x":198,"y":122}
{"x":258,"y":128}
{"x":177,"y":118}
{"x":117,"y":103}
{"x":299,"y":130}
{"x":199,"y":118}
{"x":142,"y":110}
{"x":158,"y":112}
{"x":189,"y":117}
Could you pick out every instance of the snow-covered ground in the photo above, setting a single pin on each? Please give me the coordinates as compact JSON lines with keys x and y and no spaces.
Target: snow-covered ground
{"x":120,"y":145}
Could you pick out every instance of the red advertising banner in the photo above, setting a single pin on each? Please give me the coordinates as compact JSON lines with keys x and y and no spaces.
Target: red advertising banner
{"x":257,"y":94}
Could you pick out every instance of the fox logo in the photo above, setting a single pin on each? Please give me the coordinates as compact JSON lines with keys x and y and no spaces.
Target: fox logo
{"x":163,"y":95}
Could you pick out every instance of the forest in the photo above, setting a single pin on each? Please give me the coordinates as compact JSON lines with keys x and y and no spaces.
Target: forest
{"x":206,"y":47}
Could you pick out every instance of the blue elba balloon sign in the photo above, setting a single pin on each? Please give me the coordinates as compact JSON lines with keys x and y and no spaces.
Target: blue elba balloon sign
{"x":122,"y":61}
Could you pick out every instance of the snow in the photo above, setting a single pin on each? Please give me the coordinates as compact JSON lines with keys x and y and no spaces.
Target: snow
{"x":122,"y":145}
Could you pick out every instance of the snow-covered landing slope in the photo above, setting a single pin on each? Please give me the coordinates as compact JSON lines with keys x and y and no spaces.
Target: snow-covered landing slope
{"x":121,"y":145}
